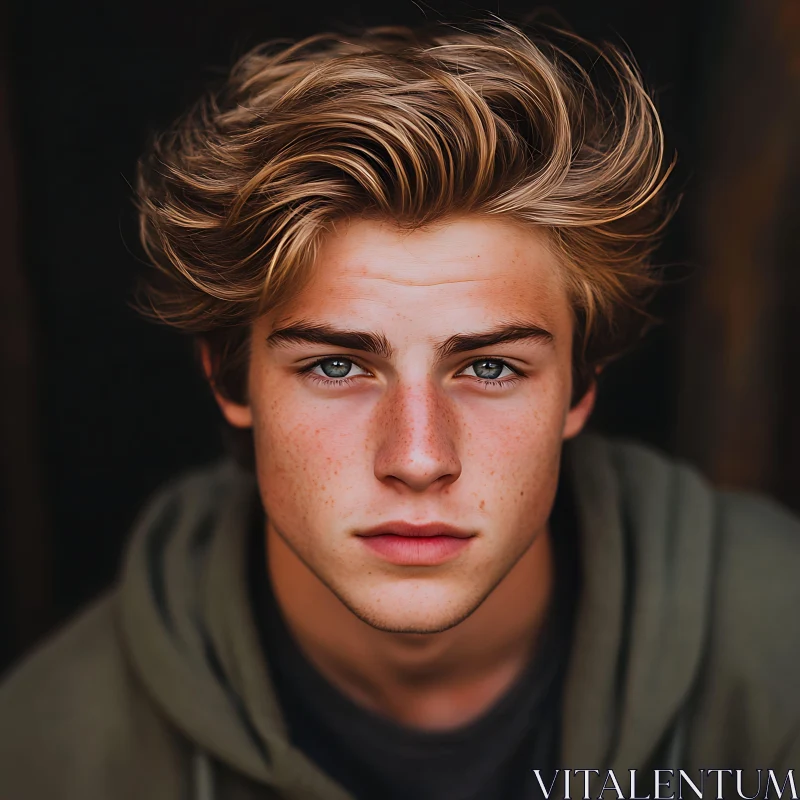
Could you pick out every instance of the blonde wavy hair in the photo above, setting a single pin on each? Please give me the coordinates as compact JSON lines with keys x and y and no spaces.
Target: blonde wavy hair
{"x":412,"y":126}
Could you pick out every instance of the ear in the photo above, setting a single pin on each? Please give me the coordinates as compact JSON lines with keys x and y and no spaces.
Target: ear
{"x":580,"y":412}
{"x":237,"y":414}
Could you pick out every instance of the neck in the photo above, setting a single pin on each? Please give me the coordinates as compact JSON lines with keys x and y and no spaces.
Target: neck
{"x":429,"y":681}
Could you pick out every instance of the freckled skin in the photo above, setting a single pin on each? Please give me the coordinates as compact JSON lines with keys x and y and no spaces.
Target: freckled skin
{"x":415,"y":438}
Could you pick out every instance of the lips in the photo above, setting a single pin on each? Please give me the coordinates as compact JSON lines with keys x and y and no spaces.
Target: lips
{"x":407,"y":529}
{"x":406,"y":544}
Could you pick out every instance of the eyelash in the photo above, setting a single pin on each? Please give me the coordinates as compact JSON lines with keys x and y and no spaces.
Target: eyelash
{"x":486,"y":383}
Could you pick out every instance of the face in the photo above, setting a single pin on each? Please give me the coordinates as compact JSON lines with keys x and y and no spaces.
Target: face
{"x":420,"y":379}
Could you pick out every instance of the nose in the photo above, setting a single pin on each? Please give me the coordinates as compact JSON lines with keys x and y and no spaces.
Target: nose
{"x":417,"y":438}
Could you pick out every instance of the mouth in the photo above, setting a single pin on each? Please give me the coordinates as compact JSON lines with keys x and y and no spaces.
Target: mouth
{"x":406,"y":544}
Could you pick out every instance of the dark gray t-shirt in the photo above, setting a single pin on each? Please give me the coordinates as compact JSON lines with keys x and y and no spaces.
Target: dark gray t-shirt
{"x":490,"y":758}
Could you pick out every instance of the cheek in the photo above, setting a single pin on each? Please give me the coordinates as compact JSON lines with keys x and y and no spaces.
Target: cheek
{"x":302,"y":459}
{"x":515,"y":460}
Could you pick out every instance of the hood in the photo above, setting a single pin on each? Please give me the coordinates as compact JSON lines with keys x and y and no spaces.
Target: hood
{"x":645,"y":545}
{"x":190,"y":635}
{"x":646,"y":537}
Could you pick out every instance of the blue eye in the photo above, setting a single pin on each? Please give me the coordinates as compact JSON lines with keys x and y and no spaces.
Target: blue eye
{"x":333,"y":370}
{"x":335,"y":367}
{"x":490,"y":369}
{"x":490,"y":373}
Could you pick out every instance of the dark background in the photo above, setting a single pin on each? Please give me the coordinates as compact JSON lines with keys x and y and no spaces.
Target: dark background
{"x":98,"y":406}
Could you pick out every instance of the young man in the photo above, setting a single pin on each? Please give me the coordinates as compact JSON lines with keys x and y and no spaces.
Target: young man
{"x":406,"y":257}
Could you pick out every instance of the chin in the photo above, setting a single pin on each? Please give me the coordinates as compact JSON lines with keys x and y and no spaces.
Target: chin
{"x":414,"y":608}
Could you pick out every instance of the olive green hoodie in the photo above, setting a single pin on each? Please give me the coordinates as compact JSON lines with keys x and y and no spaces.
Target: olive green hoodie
{"x":686,"y":651}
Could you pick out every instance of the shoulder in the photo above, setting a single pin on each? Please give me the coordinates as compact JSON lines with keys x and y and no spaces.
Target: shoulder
{"x":73,"y":720}
{"x":756,"y":592}
{"x":749,"y":676}
{"x":753,"y":586}
{"x":744,"y":525}
{"x":750,"y":682}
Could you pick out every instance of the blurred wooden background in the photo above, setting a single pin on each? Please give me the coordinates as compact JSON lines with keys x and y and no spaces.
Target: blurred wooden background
{"x":98,"y":407}
{"x":740,"y":386}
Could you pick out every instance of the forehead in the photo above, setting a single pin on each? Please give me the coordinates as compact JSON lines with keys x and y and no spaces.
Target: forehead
{"x":469,"y":264}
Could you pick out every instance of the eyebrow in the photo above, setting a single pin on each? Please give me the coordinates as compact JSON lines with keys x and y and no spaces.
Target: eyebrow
{"x":376,"y":343}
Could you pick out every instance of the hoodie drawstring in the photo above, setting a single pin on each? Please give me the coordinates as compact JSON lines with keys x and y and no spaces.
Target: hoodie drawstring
{"x":677,"y":744}
{"x":203,"y":776}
